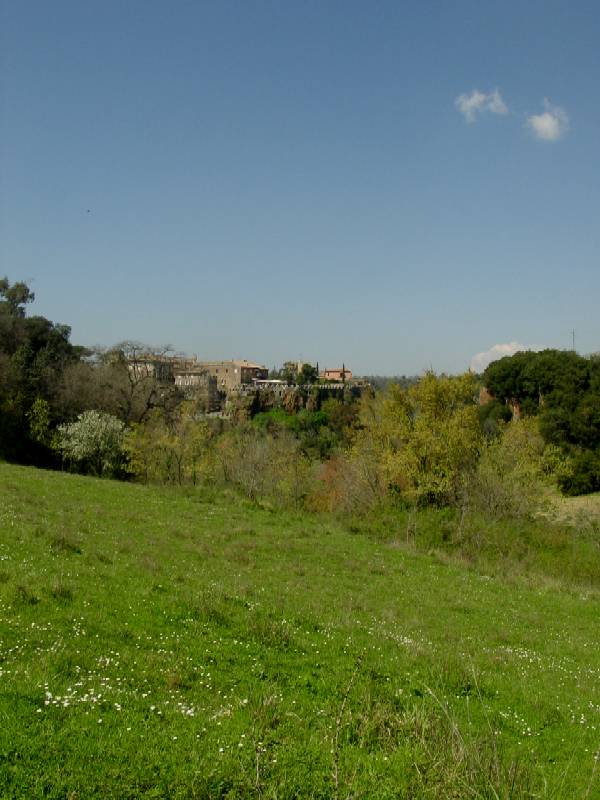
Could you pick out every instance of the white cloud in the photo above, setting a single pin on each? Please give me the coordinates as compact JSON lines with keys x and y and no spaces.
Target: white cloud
{"x":480,"y":361}
{"x":496,"y":104}
{"x":478,"y":102}
{"x":551,"y":125}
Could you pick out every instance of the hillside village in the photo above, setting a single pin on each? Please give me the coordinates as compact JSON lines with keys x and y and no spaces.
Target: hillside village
{"x":219,"y":382}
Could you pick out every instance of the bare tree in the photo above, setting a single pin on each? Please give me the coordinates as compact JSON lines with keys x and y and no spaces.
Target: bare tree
{"x":128,"y":380}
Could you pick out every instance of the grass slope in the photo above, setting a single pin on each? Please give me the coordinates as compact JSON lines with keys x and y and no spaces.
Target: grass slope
{"x":163,"y":644}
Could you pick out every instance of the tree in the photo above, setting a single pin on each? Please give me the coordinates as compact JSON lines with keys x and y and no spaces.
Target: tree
{"x":539,"y":379}
{"x":509,"y":478}
{"x":308,"y":374}
{"x":289,"y":372}
{"x":93,"y":443}
{"x":39,"y":421}
{"x":142,"y":379}
{"x":15,"y":297}
{"x":34,"y":353}
{"x":121,"y":381}
{"x":173,"y":448}
{"x":562,"y":388}
{"x":424,"y":439}
{"x":265,"y":466}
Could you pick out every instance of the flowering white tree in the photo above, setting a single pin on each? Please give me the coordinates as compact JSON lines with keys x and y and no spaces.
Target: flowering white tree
{"x":94,"y":443}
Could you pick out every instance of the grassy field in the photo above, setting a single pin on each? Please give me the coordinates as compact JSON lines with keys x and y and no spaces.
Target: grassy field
{"x":576,"y":509}
{"x":164,"y":644}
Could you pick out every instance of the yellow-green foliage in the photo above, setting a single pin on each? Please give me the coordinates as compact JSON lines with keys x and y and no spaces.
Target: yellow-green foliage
{"x":181,"y":449}
{"x":424,"y":437}
{"x":424,"y":444}
{"x":556,"y":463}
{"x":265,"y":467}
{"x":509,"y":479}
{"x":170,"y":449}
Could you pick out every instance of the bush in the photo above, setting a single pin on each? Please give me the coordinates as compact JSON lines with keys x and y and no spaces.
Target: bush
{"x":171,"y":449}
{"x":93,"y":444}
{"x":584,"y":477}
{"x":349,"y":484}
{"x":265,"y":467}
{"x":492,"y":415}
{"x":508,"y":479}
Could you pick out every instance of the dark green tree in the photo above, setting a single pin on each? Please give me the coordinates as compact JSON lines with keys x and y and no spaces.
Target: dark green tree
{"x":14,"y":297}
{"x":563,"y":389}
{"x":308,"y":374}
{"x":33,"y":355}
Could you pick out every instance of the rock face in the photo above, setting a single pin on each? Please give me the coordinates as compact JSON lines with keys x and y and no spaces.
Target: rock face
{"x":485,"y":396}
{"x":292,"y":401}
{"x":515,"y":407}
{"x":251,"y":400}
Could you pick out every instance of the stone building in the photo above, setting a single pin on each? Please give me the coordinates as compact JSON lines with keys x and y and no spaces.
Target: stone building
{"x":232,"y":375}
{"x":211,"y":380}
{"x":196,"y":383}
{"x":337,"y":374}
{"x":150,"y":365}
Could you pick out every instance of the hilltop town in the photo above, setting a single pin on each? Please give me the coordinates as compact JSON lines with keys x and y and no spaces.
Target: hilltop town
{"x":220,"y":383}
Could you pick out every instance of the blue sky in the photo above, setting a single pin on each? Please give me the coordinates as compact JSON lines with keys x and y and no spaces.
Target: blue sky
{"x":394,"y":185}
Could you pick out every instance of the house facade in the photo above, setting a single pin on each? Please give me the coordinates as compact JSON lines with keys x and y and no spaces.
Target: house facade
{"x":232,"y":375}
{"x":342,"y":374}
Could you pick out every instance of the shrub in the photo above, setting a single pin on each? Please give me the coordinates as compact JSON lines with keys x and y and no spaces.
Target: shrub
{"x":349,"y":484}
{"x":170,"y":449}
{"x":265,"y":467}
{"x":93,"y":443}
{"x":584,"y":477}
{"x":508,"y":478}
{"x":492,"y":415}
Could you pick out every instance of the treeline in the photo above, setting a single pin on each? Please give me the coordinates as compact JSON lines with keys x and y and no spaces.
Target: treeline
{"x":418,"y":443}
{"x":425,"y":446}
{"x":46,"y":381}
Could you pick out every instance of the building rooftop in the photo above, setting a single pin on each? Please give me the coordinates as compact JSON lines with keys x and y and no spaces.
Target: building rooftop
{"x":237,"y":362}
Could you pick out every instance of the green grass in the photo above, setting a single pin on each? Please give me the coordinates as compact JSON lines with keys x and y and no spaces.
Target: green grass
{"x":551,"y":550}
{"x":166,"y":644}
{"x":585,"y":508}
